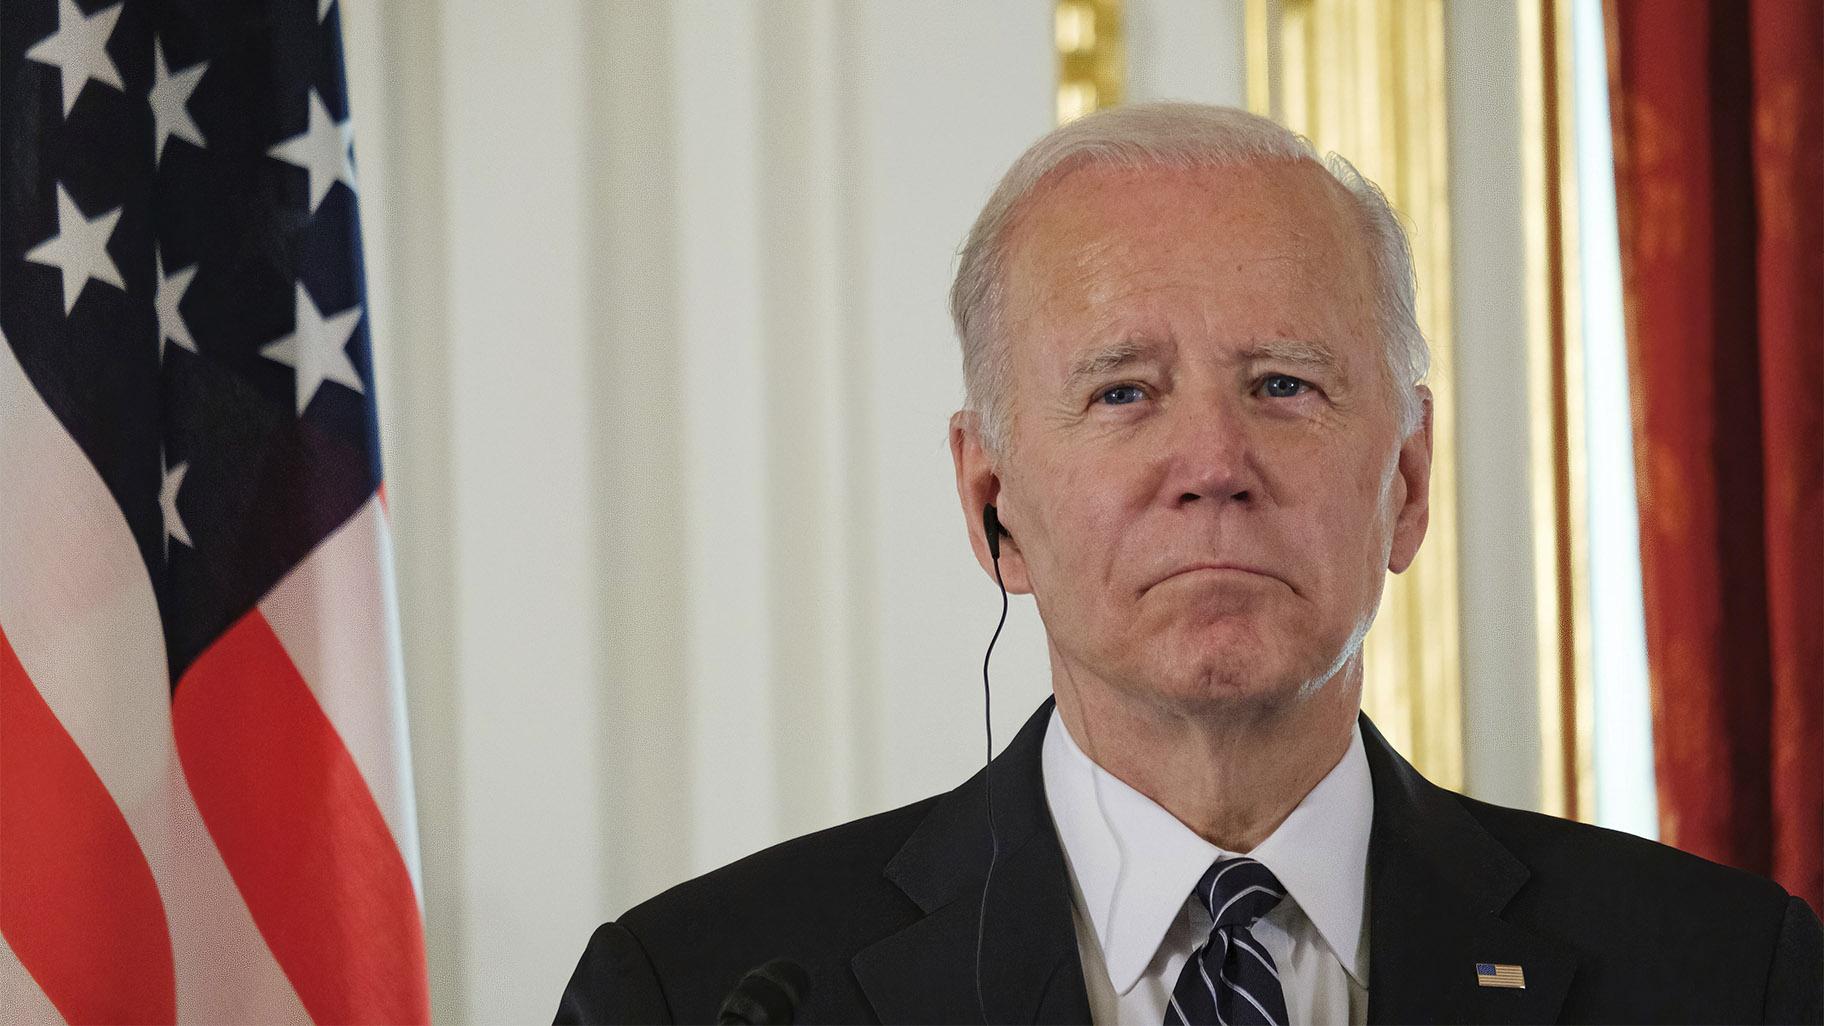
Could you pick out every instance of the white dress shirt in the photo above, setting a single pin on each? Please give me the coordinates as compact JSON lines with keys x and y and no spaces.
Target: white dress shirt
{"x":1133,"y":864}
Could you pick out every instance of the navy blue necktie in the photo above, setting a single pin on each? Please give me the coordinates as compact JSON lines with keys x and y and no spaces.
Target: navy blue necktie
{"x":1230,"y":980}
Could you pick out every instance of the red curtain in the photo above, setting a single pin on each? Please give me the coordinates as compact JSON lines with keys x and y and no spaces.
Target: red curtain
{"x":1719,"y":163}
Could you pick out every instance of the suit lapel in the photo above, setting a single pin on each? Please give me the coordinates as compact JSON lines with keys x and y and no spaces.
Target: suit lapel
{"x":1031,"y":972}
{"x":1437,"y":883}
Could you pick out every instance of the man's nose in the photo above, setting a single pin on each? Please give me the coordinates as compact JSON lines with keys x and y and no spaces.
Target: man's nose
{"x":1212,"y":456}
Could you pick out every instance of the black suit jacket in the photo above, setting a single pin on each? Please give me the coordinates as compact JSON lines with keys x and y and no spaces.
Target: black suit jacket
{"x":882,"y":913}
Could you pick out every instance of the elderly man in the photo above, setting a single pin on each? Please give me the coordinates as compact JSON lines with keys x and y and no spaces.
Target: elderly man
{"x":1195,"y":434}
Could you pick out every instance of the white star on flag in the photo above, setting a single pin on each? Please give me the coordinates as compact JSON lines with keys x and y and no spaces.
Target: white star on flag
{"x":170,"y":293}
{"x":317,"y":348}
{"x":79,"y":249}
{"x":79,"y":49}
{"x":322,"y":151}
{"x":323,"y":7}
{"x":169,"y":98}
{"x":167,"y":501}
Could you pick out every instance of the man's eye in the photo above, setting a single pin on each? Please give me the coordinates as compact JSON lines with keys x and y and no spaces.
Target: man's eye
{"x":1121,"y":395}
{"x":1283,"y":386}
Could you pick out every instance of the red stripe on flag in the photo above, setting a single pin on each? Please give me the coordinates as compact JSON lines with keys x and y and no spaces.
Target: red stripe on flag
{"x":77,"y":900}
{"x":300,"y":832}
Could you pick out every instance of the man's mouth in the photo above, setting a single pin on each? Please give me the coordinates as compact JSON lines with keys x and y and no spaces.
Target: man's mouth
{"x":1218,"y":569}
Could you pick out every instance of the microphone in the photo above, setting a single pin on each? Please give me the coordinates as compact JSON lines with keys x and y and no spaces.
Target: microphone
{"x":766,"y":996}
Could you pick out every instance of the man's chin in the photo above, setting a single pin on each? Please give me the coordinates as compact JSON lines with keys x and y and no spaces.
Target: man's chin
{"x":1236,"y":662}
{"x":1233,"y":685}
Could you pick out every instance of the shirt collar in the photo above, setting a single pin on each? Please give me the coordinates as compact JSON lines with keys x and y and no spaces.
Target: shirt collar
{"x":1135,"y":863}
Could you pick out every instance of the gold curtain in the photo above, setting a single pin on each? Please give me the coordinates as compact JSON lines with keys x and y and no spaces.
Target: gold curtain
{"x":1092,"y":56}
{"x":1365,"y":78}
{"x":1555,"y":355}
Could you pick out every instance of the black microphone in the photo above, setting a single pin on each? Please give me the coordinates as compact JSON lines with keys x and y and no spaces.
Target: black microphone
{"x":766,"y":996}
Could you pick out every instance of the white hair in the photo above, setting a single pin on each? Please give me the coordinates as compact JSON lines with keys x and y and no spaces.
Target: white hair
{"x":1178,"y":136}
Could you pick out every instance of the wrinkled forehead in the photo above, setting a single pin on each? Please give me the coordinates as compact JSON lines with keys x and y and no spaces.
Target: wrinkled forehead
{"x":1096,"y":236}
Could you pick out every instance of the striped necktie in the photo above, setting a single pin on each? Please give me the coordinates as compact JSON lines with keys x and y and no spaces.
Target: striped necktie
{"x":1230,"y":979}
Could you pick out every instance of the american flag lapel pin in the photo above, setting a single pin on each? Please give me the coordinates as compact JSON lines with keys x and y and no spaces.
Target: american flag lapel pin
{"x":1493,"y":974}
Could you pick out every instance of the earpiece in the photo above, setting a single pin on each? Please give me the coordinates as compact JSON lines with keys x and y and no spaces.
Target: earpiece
{"x":991,"y":526}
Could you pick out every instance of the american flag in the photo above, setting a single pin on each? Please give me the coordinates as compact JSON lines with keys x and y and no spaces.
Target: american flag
{"x":1493,"y":974}
{"x":205,"y":800}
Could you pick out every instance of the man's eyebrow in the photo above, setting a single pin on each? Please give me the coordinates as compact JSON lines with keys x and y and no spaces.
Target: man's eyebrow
{"x":1102,"y":359}
{"x":1286,"y":350}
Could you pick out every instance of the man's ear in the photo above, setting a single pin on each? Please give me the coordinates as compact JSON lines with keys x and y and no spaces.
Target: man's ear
{"x":978,"y":485}
{"x":1414,"y":514}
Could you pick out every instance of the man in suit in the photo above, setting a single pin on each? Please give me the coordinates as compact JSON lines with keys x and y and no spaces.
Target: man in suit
{"x":1195,"y":432}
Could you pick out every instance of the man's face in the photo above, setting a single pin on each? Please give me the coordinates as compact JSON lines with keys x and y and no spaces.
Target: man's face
{"x":1205,"y":478}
